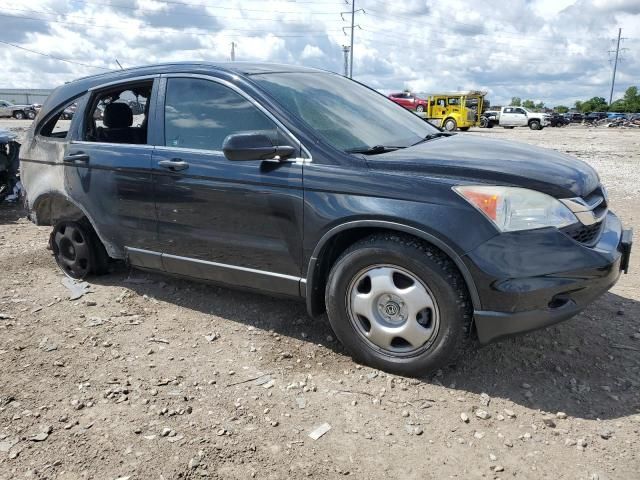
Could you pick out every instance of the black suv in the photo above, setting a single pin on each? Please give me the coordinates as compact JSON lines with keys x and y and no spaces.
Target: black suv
{"x":303,"y":183}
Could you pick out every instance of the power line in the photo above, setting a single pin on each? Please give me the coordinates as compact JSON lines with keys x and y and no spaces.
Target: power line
{"x":307,"y":33}
{"x":53,"y":56}
{"x":184,"y":14}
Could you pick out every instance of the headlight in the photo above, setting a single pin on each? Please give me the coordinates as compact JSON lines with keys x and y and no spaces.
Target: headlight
{"x":512,"y":208}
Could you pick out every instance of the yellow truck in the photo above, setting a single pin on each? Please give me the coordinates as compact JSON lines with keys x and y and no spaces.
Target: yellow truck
{"x":454,"y":110}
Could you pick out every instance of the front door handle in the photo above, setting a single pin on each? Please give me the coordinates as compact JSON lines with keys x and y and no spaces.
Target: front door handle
{"x":79,"y":157}
{"x":175,"y":164}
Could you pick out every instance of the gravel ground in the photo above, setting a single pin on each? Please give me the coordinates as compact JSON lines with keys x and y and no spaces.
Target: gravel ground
{"x":150,"y":377}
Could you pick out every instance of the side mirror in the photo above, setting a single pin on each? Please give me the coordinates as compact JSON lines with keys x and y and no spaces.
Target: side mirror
{"x":253,"y":146}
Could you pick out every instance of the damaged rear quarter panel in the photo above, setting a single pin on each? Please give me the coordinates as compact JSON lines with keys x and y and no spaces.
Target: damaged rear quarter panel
{"x":42,"y":172}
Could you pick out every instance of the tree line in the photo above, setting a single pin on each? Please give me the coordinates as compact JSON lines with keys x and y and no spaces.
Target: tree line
{"x":630,"y":103}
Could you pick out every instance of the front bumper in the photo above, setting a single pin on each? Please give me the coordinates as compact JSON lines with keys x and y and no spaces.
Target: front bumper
{"x":529,"y":280}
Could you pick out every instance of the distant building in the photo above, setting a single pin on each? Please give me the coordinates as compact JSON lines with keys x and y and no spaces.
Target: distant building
{"x":25,"y":96}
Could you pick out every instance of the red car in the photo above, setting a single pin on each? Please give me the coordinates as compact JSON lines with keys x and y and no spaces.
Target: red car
{"x":409,"y":101}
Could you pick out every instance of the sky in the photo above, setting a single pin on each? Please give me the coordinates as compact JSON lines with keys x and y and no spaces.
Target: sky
{"x":555,"y":51}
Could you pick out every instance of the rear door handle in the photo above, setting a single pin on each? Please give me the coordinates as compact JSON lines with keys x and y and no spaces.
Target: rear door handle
{"x":175,"y":164}
{"x":79,"y":157}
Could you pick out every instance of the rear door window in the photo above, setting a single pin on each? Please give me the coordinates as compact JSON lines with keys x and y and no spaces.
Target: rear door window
{"x":58,"y":125}
{"x":119,"y":114}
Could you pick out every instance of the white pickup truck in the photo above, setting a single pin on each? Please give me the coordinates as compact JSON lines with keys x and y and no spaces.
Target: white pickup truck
{"x":510,"y":117}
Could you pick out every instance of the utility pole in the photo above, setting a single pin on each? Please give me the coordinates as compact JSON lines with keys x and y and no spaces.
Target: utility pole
{"x":233,"y":51}
{"x":346,"y":49}
{"x":615,"y":66}
{"x":352,"y":27}
{"x":353,"y":16}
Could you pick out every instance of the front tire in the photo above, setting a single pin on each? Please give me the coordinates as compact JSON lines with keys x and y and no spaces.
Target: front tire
{"x":77,"y":249}
{"x":398,"y":304}
{"x":535,"y":125}
{"x":450,"y":125}
{"x":31,"y":115}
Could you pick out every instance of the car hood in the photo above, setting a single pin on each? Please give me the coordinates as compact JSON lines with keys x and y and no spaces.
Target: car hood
{"x":472,"y":158}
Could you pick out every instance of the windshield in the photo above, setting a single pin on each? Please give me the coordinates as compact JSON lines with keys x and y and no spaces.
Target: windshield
{"x":344,"y":113}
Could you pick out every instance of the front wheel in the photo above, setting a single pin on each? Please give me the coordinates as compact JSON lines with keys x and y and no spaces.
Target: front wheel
{"x":450,"y":125}
{"x":398,"y":304}
{"x":31,"y":115}
{"x":484,"y":122}
{"x":18,"y":115}
{"x":535,"y":125}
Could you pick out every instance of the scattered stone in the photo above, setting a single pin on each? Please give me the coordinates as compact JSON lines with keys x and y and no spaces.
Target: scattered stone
{"x":46,"y":346}
{"x":194,"y":462}
{"x":479,"y":435}
{"x":561,"y":415}
{"x":581,"y":444}
{"x":464,"y":417}
{"x":498,"y":468}
{"x":526,"y":386}
{"x":166,"y":431}
{"x":549,"y":422}
{"x":269,"y":384}
{"x":492,"y":457}
{"x":418,"y":431}
{"x":40,"y":437}
{"x":606,"y":433}
{"x":508,"y":443}
{"x":483,"y":414}
{"x":221,"y":432}
{"x":6,"y":445}
{"x":485,"y":399}
{"x":301,"y":401}
{"x":319,"y":431}
{"x":212,"y":337}
{"x":405,"y":413}
{"x":509,"y":413}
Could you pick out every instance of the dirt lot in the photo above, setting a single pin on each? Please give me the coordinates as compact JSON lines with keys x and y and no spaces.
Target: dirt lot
{"x":147,"y":377}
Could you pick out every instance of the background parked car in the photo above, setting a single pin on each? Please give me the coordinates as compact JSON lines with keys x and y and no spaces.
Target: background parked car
{"x":489,"y":118}
{"x":69,"y":112}
{"x":558,"y":120}
{"x":409,"y":101}
{"x":19,"y":112}
{"x":575,"y":117}
{"x":595,"y":116}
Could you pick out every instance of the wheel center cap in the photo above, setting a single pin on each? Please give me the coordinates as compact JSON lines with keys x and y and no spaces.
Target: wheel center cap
{"x":392,"y":309}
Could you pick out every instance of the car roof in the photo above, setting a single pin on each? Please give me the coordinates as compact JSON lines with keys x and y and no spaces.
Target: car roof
{"x":78,"y":87}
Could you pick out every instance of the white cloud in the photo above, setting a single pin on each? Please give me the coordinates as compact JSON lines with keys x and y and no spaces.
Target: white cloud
{"x":552,"y":50}
{"x":311,"y":51}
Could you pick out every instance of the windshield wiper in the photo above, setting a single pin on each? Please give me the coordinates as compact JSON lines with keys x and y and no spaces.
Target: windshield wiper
{"x":431,"y":136}
{"x":376,"y":149}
